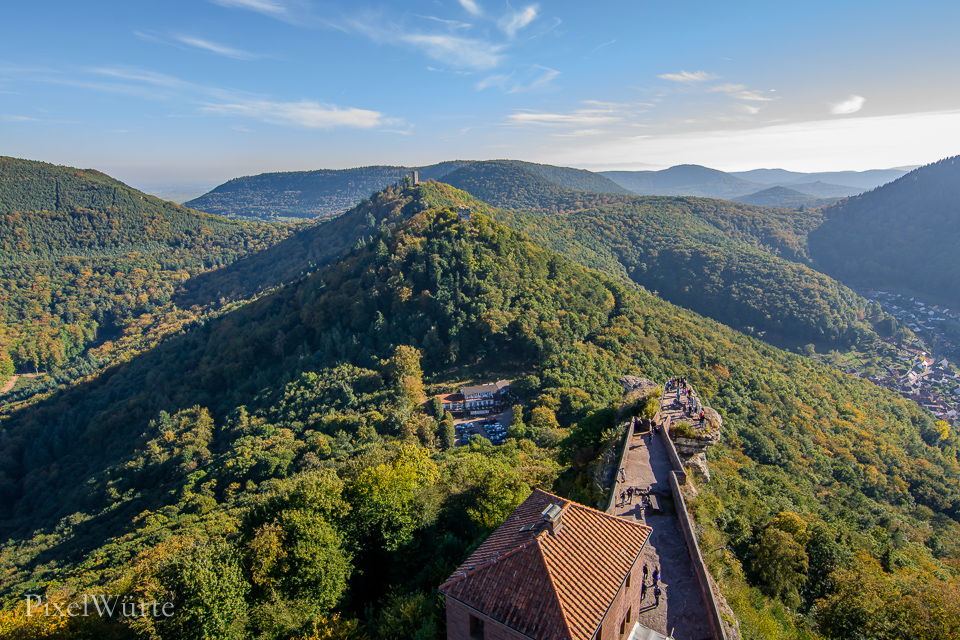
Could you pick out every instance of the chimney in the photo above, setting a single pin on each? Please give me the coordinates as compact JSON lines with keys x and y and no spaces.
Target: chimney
{"x":551,"y":515}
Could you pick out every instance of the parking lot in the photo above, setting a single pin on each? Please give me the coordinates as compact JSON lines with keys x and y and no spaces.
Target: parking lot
{"x":493,"y":427}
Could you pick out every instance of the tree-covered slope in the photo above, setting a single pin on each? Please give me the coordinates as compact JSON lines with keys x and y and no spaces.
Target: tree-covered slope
{"x":307,"y":194}
{"x":901,"y":235}
{"x":326,"y":192}
{"x":577,"y":179}
{"x":514,"y":185}
{"x":782,"y":197}
{"x":744,"y":266}
{"x":271,"y":470}
{"x":82,"y":254}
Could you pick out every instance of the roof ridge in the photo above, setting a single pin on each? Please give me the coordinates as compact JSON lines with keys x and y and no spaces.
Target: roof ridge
{"x":553,"y":591}
{"x":611,"y":517}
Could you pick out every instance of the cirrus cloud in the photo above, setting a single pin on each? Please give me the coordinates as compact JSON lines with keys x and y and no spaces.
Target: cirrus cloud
{"x":307,"y":114}
{"x":848,"y":106}
{"x":687,"y":76}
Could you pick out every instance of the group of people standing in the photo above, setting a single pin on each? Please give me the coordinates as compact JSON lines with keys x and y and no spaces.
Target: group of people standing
{"x":655,"y":583}
{"x":692,"y":407}
{"x":626,"y":496}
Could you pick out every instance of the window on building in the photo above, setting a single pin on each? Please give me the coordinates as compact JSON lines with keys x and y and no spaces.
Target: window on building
{"x":629,"y":575}
{"x":599,"y":633}
{"x":476,"y":628}
{"x":623,"y":626}
{"x":629,"y":611}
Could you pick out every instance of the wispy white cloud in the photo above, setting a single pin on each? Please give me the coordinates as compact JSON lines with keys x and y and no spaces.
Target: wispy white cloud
{"x":726,"y":88}
{"x":513,"y":21}
{"x":461,"y":52}
{"x":151,"y":85}
{"x":581,"y":118}
{"x":534,"y":77}
{"x":451,"y":49}
{"x":471,"y":7}
{"x":453,"y":24}
{"x":848,"y":106}
{"x":306,"y":114}
{"x":141,"y":75}
{"x":273,"y":8}
{"x":217,"y":48}
{"x":581,"y":133}
{"x":193,"y":42}
{"x":603,"y":44}
{"x":13,"y":118}
{"x":587,"y":121}
{"x":688,"y":76}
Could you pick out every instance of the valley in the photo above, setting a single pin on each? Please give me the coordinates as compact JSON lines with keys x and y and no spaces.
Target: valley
{"x":266,"y":452}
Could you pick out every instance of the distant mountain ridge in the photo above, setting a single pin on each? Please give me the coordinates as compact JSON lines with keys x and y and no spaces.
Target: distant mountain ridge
{"x":696,"y":180}
{"x":683,"y":180}
{"x":324,"y":193}
{"x":863,"y":179}
{"x":307,"y":194}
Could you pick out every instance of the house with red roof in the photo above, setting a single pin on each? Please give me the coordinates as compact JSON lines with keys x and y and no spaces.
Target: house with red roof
{"x":554,"y":570}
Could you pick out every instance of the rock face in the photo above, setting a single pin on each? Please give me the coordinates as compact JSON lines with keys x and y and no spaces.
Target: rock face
{"x":692,"y":443}
{"x":640,"y":386}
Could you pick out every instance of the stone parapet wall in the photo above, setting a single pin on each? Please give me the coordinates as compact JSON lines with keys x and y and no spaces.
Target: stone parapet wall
{"x":696,"y":557}
{"x":615,"y":491}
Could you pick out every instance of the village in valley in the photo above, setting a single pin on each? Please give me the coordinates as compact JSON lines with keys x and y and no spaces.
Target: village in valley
{"x":919,"y":364}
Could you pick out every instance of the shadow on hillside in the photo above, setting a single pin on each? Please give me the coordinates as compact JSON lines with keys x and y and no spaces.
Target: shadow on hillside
{"x":58,"y":455}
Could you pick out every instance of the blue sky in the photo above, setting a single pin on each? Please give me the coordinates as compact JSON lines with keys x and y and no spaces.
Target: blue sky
{"x":199,"y":91}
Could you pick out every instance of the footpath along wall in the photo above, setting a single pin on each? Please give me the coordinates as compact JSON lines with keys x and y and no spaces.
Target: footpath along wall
{"x":678,"y":477}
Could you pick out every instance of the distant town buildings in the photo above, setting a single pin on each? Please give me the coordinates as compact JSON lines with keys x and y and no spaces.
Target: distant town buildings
{"x":554,"y":570}
{"x":464,"y":213}
{"x":930,"y":380}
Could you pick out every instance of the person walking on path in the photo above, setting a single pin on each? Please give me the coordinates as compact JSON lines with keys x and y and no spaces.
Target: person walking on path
{"x":643,"y":591}
{"x":645,"y":573}
{"x":656,"y":595}
{"x":656,"y":575}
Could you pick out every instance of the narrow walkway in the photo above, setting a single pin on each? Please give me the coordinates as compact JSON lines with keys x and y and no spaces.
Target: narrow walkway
{"x":681,"y":612}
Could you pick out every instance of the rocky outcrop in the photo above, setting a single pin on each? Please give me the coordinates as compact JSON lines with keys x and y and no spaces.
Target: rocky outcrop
{"x":692,"y":442}
{"x":632,"y":385}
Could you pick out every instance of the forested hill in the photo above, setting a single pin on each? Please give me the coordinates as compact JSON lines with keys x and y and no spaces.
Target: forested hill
{"x":577,"y":179}
{"x":684,"y":179}
{"x":272,"y":471}
{"x":326,"y":192}
{"x":515,"y":185}
{"x":741,"y":265}
{"x":307,"y":194}
{"x":904,"y":234}
{"x":782,"y":197}
{"x":55,"y":210}
{"x":84,"y":256}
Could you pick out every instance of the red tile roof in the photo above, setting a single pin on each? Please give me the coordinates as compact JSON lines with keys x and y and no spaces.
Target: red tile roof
{"x":549,"y":586}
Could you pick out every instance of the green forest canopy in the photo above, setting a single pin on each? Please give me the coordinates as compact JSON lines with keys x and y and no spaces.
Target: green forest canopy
{"x":280,"y":448}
